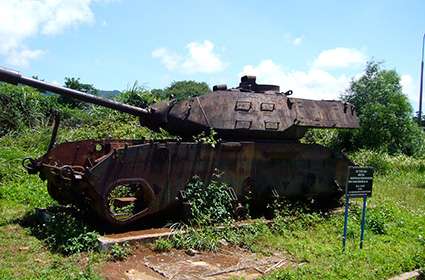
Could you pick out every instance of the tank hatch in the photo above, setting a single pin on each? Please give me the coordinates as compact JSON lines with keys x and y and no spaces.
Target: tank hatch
{"x":248,"y":83}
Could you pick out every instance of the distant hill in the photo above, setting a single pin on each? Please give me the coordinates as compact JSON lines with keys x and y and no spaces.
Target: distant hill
{"x":108,"y":93}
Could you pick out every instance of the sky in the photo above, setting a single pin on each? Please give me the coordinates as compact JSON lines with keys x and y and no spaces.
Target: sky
{"x":314,"y":48}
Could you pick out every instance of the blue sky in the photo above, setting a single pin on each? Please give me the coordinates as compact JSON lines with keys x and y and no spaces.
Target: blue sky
{"x":311,"y":47}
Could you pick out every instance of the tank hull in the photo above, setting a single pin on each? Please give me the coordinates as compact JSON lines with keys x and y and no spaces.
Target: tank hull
{"x":87,"y":173}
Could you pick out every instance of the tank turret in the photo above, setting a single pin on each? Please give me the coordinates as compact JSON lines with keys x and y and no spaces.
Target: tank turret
{"x":249,"y":111}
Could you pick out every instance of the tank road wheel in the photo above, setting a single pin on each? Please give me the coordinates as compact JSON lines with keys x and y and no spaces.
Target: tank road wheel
{"x":128,"y":200}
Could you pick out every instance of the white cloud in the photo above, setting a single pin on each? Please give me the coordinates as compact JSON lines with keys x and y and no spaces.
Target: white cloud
{"x":339,"y":58}
{"x":297,"y":41}
{"x":23,"y":19}
{"x":410,"y":89}
{"x":200,"y":58}
{"x":168,"y":59}
{"x":318,"y":83}
{"x":23,"y":56}
{"x":312,"y":84}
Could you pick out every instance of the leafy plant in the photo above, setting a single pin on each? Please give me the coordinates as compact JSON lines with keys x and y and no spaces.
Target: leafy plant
{"x":64,"y":231}
{"x":163,"y":245}
{"x":293,"y":215}
{"x":209,"y":203}
{"x":210,"y":138}
{"x":138,"y":96}
{"x":206,"y":238}
{"x":120,"y":252}
{"x":378,"y":219}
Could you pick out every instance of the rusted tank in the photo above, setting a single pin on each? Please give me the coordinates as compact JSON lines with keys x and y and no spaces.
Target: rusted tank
{"x":260,"y":154}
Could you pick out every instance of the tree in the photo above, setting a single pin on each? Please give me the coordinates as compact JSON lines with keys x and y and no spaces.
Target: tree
{"x":182,"y":90}
{"x":385,"y":113}
{"x":75,"y":83}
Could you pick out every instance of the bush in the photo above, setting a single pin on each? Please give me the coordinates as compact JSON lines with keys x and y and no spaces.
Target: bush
{"x":210,"y":238}
{"x":65,"y":231}
{"x":163,"y":245}
{"x":209,"y":203}
{"x":384,"y":163}
{"x":137,"y":96}
{"x":22,"y":107}
{"x":325,"y":137}
{"x":377,"y":219}
{"x":293,"y":215}
{"x":119,"y":252}
{"x":206,"y":238}
{"x":209,"y":138}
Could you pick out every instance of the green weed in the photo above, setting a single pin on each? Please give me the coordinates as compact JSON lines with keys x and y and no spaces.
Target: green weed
{"x":64,"y":231}
{"x":120,"y":252}
{"x":163,"y":245}
{"x":209,"y":203}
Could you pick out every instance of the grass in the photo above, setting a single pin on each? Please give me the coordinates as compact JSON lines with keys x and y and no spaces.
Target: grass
{"x":394,"y":237}
{"x":398,"y":204}
{"x":24,"y":252}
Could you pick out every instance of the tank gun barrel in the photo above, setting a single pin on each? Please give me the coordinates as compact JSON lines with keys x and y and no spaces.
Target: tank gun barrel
{"x":13,"y":77}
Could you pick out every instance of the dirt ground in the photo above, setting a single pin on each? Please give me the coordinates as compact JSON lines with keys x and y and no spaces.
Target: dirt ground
{"x":228,"y":262}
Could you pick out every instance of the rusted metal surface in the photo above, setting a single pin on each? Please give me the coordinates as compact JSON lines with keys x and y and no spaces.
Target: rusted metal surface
{"x":129,"y":181}
{"x":80,"y":174}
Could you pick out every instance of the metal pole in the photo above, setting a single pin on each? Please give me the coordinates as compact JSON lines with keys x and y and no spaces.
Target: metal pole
{"x":344,"y":238}
{"x":421,"y":84}
{"x":363,"y":221}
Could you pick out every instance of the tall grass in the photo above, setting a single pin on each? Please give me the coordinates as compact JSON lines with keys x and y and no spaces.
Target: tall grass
{"x":384,"y":163}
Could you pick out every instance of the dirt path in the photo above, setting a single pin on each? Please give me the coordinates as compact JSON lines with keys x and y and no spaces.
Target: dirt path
{"x":180,"y":265}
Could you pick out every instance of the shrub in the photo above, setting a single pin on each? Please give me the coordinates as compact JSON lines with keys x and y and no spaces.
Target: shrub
{"x":206,"y":238}
{"x":209,"y":138}
{"x":377,"y":220}
{"x":293,"y":215}
{"x":384,"y":163}
{"x":119,"y":252}
{"x":163,"y":245}
{"x":137,"y":96}
{"x":64,"y":231}
{"x":209,"y":203}
{"x":22,"y":107}
{"x":324,"y":137}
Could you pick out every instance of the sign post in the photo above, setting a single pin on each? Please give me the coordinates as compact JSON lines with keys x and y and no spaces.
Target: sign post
{"x":359,"y":184}
{"x":347,"y":203}
{"x":363,"y":221}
